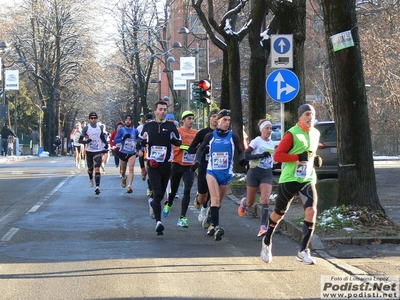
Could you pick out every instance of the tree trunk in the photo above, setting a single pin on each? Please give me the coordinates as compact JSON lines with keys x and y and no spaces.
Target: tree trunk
{"x":357,"y":183}
{"x":292,"y":20}
{"x":258,"y":62}
{"x":235,"y":94}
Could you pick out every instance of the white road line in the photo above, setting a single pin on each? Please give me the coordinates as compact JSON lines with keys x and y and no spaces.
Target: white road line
{"x":40,"y":203}
{"x":8,"y":236}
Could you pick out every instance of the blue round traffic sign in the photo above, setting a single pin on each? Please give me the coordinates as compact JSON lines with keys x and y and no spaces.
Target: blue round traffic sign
{"x":281,"y":45}
{"x":282,"y":85}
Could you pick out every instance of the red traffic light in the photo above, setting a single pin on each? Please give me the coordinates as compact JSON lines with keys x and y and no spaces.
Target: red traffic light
{"x":204,"y":84}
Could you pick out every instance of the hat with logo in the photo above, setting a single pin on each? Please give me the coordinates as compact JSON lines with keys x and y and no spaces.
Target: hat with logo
{"x":92,"y":114}
{"x":187,"y":113}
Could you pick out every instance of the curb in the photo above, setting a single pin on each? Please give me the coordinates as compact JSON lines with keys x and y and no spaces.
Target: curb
{"x":316,"y":243}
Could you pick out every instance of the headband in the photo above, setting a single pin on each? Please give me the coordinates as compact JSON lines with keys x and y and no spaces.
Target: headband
{"x":263,"y":124}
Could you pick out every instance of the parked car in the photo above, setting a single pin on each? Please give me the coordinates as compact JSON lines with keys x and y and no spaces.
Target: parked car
{"x":276,"y":137}
{"x":327,"y":149}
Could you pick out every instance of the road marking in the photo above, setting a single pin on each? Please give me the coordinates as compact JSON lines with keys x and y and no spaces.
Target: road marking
{"x":8,"y":236}
{"x":40,"y":203}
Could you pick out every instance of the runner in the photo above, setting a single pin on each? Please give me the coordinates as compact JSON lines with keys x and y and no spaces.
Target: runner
{"x":93,"y":137}
{"x":181,"y":163}
{"x":128,"y":137}
{"x":74,"y":136}
{"x":259,"y":153}
{"x":222,"y":143}
{"x":158,"y":136}
{"x":202,"y":196}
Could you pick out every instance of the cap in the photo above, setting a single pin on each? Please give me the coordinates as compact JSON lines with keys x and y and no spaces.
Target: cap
{"x":148,"y":117}
{"x":213,"y":112}
{"x":224,"y":113}
{"x":93,"y":114}
{"x":120,"y":123}
{"x":128,"y":117}
{"x":169,"y":116}
{"x":303,"y":108}
{"x":187,"y":113}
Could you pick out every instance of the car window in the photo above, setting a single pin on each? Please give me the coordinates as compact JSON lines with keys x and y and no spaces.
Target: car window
{"x":328,"y":132}
{"x":276,"y":135}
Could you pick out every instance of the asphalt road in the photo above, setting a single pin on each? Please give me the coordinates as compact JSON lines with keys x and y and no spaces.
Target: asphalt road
{"x":60,"y":241}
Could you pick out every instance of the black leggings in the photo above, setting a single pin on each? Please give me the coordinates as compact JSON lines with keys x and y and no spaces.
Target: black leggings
{"x":158,"y":178}
{"x":179,"y":172}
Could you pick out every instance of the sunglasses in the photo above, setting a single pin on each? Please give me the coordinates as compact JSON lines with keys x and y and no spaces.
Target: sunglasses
{"x":93,"y":118}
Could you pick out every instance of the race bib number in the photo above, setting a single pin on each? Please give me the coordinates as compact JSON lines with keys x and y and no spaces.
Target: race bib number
{"x":265,"y":163}
{"x":129,"y":145}
{"x":188,"y":158}
{"x":220,"y":160}
{"x":303,"y":170}
{"x":158,"y":153}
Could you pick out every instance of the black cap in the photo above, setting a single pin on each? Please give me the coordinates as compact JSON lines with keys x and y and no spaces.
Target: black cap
{"x":223,"y":113}
{"x":148,"y":117}
{"x":93,"y":114}
{"x":128,"y":117}
{"x":213,"y":112}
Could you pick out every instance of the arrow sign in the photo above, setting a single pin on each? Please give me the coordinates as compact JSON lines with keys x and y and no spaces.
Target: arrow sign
{"x":282,"y":85}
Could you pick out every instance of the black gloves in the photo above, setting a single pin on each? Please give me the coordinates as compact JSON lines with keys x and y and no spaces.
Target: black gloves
{"x":265,"y":154}
{"x":143,"y":143}
{"x":317,"y":161}
{"x":304,"y":156}
{"x":126,"y":136}
{"x":106,"y":146}
{"x":243,"y":162}
{"x":153,"y":163}
{"x":194,"y":167}
{"x":88,"y":141}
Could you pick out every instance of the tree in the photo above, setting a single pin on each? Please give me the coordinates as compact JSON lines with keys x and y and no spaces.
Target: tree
{"x":356,"y":169}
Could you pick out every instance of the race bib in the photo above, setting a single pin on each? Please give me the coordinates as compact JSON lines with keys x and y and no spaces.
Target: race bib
{"x":158,"y":153}
{"x":303,"y":170}
{"x":129,"y":145}
{"x":220,"y":160}
{"x":188,"y":158}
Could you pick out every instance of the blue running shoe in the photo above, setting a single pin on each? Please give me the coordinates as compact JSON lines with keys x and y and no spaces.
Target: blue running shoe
{"x":183,"y":222}
{"x":166,"y":210}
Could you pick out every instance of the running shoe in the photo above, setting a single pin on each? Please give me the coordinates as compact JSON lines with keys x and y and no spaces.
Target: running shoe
{"x":166,"y":210}
{"x":129,"y":190}
{"x":82,"y":164}
{"x":266,"y":254}
{"x":242,"y":207}
{"x":144,"y":177}
{"x":219,"y":232}
{"x":123,"y":183}
{"x":151,"y":210}
{"x":207,"y":220}
{"x":159,"y":228}
{"x":202,"y":214}
{"x":196,"y":204}
{"x":97,"y":190}
{"x":263,"y":231}
{"x":305,"y":257}
{"x":117,"y":166}
{"x":211,"y":230}
{"x":91,"y":182}
{"x":183,"y":222}
{"x":103,"y":170}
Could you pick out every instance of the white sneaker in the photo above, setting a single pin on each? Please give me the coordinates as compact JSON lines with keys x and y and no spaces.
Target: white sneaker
{"x":266,"y":254}
{"x":151,"y":208}
{"x":305,"y":257}
{"x":202,"y":214}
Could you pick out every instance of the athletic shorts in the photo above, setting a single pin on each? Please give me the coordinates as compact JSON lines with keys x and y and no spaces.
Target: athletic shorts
{"x":256,"y":176}
{"x":125,"y":156}
{"x":222,"y":177}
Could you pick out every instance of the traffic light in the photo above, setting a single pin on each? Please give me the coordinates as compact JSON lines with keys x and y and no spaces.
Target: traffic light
{"x":205,"y":91}
{"x":196,"y":91}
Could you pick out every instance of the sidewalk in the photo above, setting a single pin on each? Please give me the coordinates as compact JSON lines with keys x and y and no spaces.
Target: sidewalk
{"x":355,"y":255}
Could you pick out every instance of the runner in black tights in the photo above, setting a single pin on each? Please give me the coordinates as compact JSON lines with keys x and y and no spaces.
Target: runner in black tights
{"x":160,"y":135}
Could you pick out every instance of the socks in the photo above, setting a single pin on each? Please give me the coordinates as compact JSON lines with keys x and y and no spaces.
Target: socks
{"x":214,"y":215}
{"x":264,"y":214}
{"x":97,"y":178}
{"x":308,"y":229}
{"x":270,"y":232}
